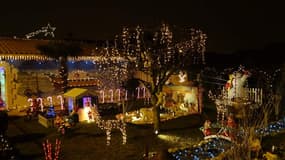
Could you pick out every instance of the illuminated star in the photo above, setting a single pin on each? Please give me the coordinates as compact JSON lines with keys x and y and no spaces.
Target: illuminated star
{"x":48,"y":30}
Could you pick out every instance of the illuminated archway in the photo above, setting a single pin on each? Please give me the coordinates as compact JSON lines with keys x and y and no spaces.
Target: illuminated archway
{"x":2,"y":85}
{"x":8,"y":85}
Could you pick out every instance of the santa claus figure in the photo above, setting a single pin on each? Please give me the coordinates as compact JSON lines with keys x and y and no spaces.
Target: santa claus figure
{"x":230,"y":125}
{"x":206,"y":128}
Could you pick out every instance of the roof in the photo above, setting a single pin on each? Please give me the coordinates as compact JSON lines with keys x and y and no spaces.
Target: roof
{"x":75,"y":92}
{"x":26,"y":49}
{"x":20,"y":46}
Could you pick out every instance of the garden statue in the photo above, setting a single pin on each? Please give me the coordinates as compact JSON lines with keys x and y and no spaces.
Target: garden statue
{"x":235,"y":85}
{"x":206,"y":128}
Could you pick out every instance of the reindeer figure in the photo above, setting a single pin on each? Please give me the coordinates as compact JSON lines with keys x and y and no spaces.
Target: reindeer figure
{"x":221,"y":111}
{"x":108,"y":125}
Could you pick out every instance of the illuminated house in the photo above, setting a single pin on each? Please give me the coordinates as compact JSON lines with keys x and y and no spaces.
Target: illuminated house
{"x":26,"y":72}
{"x":12,"y":50}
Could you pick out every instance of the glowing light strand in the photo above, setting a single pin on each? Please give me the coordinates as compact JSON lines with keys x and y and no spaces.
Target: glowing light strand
{"x":109,"y":125}
{"x":48,"y":30}
{"x":47,"y":147}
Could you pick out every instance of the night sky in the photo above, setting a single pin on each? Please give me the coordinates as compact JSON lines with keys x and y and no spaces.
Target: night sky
{"x":230,"y":26}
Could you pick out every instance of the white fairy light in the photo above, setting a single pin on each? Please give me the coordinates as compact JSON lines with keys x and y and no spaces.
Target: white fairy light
{"x":109,"y":125}
{"x":48,"y":30}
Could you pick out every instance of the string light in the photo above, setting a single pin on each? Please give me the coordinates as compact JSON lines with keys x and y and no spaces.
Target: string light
{"x":51,"y":154}
{"x":48,"y":30}
{"x":272,"y":129}
{"x":249,"y":101}
{"x":25,"y":57}
{"x":109,"y":125}
{"x":211,"y":148}
{"x":6,"y":149}
{"x":207,"y":149}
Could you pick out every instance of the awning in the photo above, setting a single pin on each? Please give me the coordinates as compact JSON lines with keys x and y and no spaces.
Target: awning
{"x":75,"y":92}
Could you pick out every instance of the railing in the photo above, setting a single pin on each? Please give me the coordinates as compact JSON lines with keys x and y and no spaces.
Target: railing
{"x":250,"y":94}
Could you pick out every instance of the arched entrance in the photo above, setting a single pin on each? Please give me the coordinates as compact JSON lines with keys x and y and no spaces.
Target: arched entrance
{"x":2,"y":86}
{"x":8,"y":85}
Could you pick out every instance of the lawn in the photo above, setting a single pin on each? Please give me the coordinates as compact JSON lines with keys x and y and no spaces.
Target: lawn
{"x":86,"y":141}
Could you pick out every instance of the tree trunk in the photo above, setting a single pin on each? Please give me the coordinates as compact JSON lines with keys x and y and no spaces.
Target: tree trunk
{"x":155,"y":101}
{"x":63,"y":73}
{"x":156,"y":119}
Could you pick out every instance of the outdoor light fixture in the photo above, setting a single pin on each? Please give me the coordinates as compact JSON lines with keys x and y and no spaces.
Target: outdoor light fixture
{"x":156,"y":132}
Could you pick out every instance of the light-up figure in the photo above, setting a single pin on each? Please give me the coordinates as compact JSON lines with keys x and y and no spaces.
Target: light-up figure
{"x":32,"y":110}
{"x":119,"y":94}
{"x":40,"y":102}
{"x":235,"y":85}
{"x":51,"y":111}
{"x":138,"y":92}
{"x":48,"y":30}
{"x":207,"y":128}
{"x":143,"y":88}
{"x":49,"y":99}
{"x":31,"y":101}
{"x":126,"y":95}
{"x":182,"y":77}
{"x":61,"y":101}
{"x":109,"y":125}
{"x":102,"y":93}
{"x":111,"y":95}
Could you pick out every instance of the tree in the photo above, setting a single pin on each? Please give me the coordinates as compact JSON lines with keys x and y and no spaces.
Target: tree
{"x":60,"y":50}
{"x":160,"y":54}
{"x":250,"y":113}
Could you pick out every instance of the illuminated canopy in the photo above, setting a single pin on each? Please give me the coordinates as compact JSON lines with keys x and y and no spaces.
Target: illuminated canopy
{"x":75,"y":92}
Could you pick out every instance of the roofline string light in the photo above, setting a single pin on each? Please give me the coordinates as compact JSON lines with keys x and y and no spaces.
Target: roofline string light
{"x":25,"y":57}
{"x":46,"y":58}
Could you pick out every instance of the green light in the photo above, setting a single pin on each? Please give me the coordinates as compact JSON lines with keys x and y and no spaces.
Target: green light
{"x":2,"y":84}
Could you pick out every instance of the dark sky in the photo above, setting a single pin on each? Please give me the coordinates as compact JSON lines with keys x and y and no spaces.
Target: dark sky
{"x":230,"y":26}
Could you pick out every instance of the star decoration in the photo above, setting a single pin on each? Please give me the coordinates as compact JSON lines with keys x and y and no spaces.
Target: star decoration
{"x":48,"y":30}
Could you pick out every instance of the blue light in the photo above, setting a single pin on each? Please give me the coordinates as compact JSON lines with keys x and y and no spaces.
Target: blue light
{"x":213,"y":147}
